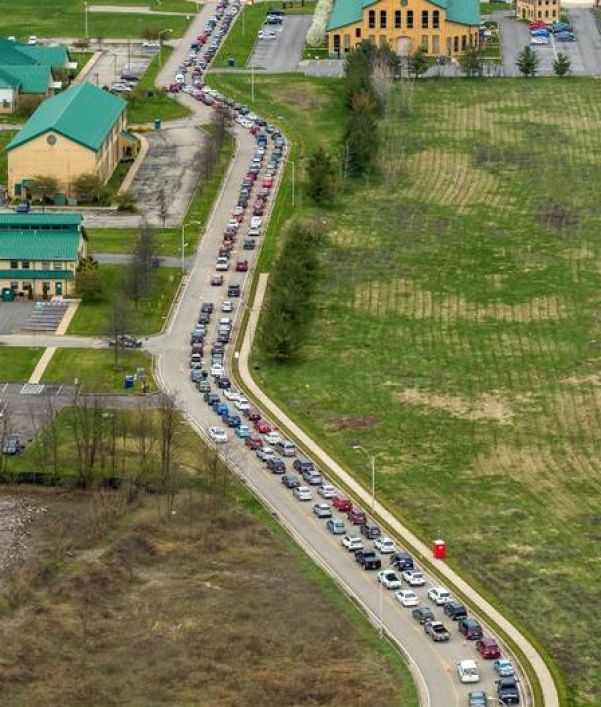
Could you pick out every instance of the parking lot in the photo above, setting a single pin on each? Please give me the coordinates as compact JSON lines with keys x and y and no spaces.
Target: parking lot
{"x":13,"y":315}
{"x":283,"y":52}
{"x":131,"y":57}
{"x":584,"y":54}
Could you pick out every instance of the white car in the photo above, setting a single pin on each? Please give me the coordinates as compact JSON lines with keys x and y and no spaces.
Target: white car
{"x":322,"y":510}
{"x":389,"y":579}
{"x":414,"y":577}
{"x":242,"y":404}
{"x":222,"y":264}
{"x":352,"y":543}
{"x":217,"y":370}
{"x":439,"y":595}
{"x":150,"y":45}
{"x":261,"y":35}
{"x":231,"y":394}
{"x":256,"y":222}
{"x":32,"y":41}
{"x":302,"y":493}
{"x":327,"y":491}
{"x":225,"y":321}
{"x":468,"y":671}
{"x":539,"y":40}
{"x":272,"y":438}
{"x":227,"y":306}
{"x":407,"y":597}
{"x":384,"y":545}
{"x":218,"y":435}
{"x":265,"y":453}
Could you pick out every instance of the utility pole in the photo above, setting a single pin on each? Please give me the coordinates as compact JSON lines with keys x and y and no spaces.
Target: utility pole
{"x":85,"y":10}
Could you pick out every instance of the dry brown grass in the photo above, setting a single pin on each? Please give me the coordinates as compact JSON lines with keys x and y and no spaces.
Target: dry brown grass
{"x":485,"y":407}
{"x":207,"y":609}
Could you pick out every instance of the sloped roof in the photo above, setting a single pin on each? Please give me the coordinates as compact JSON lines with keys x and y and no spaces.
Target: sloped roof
{"x":7,"y":80}
{"x":37,"y":220}
{"x":83,"y":113}
{"x":31,"y":78}
{"x":348,"y":12}
{"x":39,"y":245}
{"x":10,"y":54}
{"x":19,"y":54}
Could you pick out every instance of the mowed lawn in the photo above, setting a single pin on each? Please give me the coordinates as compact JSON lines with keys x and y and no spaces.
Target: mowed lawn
{"x":458,"y":338}
{"x":65,"y":18}
{"x":17,"y":364}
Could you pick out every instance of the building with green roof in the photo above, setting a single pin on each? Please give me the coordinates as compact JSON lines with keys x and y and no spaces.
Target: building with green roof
{"x":33,"y":70}
{"x":79,"y":131}
{"x":440,"y":27}
{"x":39,"y":253}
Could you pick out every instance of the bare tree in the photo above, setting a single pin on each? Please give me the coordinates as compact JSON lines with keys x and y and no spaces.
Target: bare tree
{"x":138,"y":279}
{"x":382,"y":75}
{"x":88,"y":431}
{"x":169,"y":429}
{"x":163,"y":206}
{"x":120,"y":320}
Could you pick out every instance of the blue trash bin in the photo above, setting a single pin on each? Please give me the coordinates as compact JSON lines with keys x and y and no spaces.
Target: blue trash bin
{"x":128,"y":382}
{"x":157,"y":123}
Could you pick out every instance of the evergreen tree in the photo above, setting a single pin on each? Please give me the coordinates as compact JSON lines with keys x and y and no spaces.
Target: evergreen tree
{"x":562,"y":65}
{"x":527,"y":62}
{"x":418,"y":62}
{"x":321,"y":177}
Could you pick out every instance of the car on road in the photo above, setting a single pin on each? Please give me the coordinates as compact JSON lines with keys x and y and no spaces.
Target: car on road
{"x":384,"y":545}
{"x":231,"y":420}
{"x":327,"y":491}
{"x":272,"y":438}
{"x":287,"y":448}
{"x":439,"y":595}
{"x":262,"y":427}
{"x":223,"y":382}
{"x":507,"y":691}
{"x":471,"y":629}
{"x":248,"y":244}
{"x":343,"y":504}
{"x":231,"y":395}
{"x":290,"y":482}
{"x":336,"y":527}
{"x":503,"y":667}
{"x":488,"y":648}
{"x":437,"y":631}
{"x":302,"y":493}
{"x":125,"y":341}
{"x":313,"y":478}
{"x":222,"y":264}
{"x":233,"y":290}
{"x":227,"y":306}
{"x":389,"y":579}
{"x":423,"y":614}
{"x":203,"y":385}
{"x":276,"y":465}
{"x":368,"y":559}
{"x":322,"y":510}
{"x":407,"y":598}
{"x":454,"y":610}
{"x":242,"y":266}
{"x":253,"y":442}
{"x":370,"y":530}
{"x":218,"y":435}
{"x":401,"y":560}
{"x":256,"y":222}
{"x":243,"y":431}
{"x":468,"y":671}
{"x":414,"y":578}
{"x":11,"y":446}
{"x":477,"y":698}
{"x":217,"y":280}
{"x":356,"y":516}
{"x":302,"y":465}
{"x":352,"y":543}
{"x":265,"y":453}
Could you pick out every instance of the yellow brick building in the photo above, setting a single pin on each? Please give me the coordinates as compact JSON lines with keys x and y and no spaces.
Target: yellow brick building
{"x":79,"y":131}
{"x":538,"y":10}
{"x":441,"y":27}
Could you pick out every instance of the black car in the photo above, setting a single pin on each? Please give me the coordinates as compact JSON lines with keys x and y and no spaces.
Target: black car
{"x":204,"y":318}
{"x":248,"y":244}
{"x":276,"y":465}
{"x":217,"y":348}
{"x":401,"y":561}
{"x":211,"y":398}
{"x":455,"y":610}
{"x":203,"y":386}
{"x":223,"y":338}
{"x":471,"y":629}
{"x":368,"y":559}
{"x":233,"y":291}
{"x":197,"y":338}
{"x":224,"y":383}
{"x":196,"y":375}
{"x":126,"y":341}
{"x":423,"y":614}
{"x":507,"y":691}
{"x":290,"y":482}
{"x":303,"y":465}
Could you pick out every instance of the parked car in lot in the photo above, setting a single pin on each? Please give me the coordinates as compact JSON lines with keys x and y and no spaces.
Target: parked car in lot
{"x":302,"y":493}
{"x":368,"y":559}
{"x":439,"y":595}
{"x":507,"y":691}
{"x":389,"y":579}
{"x":565,"y":37}
{"x":423,"y":614}
{"x":454,"y":610}
{"x":468,"y":671}
{"x":477,"y":698}
{"x":352,"y":543}
{"x":504,"y":667}
{"x":471,"y":629}
{"x":407,"y":597}
{"x":322,"y":510}
{"x":414,"y":578}
{"x":437,"y":631}
{"x":336,"y":527}
{"x":488,"y":648}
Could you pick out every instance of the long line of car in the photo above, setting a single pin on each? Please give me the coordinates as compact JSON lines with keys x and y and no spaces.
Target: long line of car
{"x":236,"y":419}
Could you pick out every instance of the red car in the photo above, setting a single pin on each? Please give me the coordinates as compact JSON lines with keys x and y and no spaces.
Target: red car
{"x":537,"y":25}
{"x":356,"y":516}
{"x":253,"y":442}
{"x":242,"y":266}
{"x":267,"y":183}
{"x":488,"y":648}
{"x":174,"y":88}
{"x":252,"y":415}
{"x":343,"y":504}
{"x":262,"y":427}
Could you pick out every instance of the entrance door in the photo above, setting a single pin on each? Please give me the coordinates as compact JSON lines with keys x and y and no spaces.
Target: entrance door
{"x":58,"y":288}
{"x":403,"y":47}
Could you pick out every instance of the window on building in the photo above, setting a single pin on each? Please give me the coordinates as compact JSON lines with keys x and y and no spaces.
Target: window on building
{"x":455,"y":44}
{"x":347,"y":42}
{"x":382,"y":19}
{"x":397,"y":19}
{"x":14,"y":286}
{"x":449,"y":46}
{"x":45,"y":265}
{"x":435,"y":44}
{"x":436,"y":19}
{"x":358,"y":32}
{"x":424,"y":19}
{"x":336,"y":44}
{"x":25,"y":264}
{"x":463,"y":43}
{"x":14,"y":264}
{"x":409,"y":19}
{"x":372,"y":19}
{"x":58,"y":265}
{"x":424,"y":42}
{"x":540,"y":14}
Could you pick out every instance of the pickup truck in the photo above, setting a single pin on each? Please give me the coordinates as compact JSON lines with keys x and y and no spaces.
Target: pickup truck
{"x":437,"y":631}
{"x":368,"y":559}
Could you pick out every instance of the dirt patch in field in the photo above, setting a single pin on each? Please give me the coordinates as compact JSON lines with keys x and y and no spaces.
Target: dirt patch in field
{"x":352,"y":422}
{"x":556,"y":217}
{"x":592,"y":379}
{"x":486,"y":407}
{"x":304,"y":100}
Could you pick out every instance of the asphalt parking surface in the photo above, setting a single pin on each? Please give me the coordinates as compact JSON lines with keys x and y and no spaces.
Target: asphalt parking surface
{"x":120,"y":57}
{"x":284,"y":52}
{"x":584,"y":54}
{"x":13,"y":315}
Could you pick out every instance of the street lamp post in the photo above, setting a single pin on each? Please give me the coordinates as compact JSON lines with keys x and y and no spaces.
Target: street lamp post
{"x":190,"y":223}
{"x":160,"y":37}
{"x":85,"y":10}
{"x":372,"y":464}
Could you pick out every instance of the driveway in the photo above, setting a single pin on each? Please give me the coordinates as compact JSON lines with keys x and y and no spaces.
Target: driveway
{"x":284,"y":52}
{"x":584,"y":53}
{"x":13,"y":315}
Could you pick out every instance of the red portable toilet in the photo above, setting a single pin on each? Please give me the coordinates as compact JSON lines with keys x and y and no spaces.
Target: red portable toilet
{"x":439,"y":549}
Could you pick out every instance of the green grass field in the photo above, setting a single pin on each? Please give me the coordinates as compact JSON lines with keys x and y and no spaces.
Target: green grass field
{"x":65,"y":18}
{"x":457,"y":337}
{"x":94,"y":318}
{"x":16,"y":363}
{"x":487,"y":7}
{"x":241,"y":39}
{"x":158,"y":5}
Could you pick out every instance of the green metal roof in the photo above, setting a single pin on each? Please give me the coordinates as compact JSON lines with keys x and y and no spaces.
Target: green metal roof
{"x":36,"y":274}
{"x":83,"y":113}
{"x":31,"y":78}
{"x":348,"y":12}
{"x":8,"y":80}
{"x":39,"y":245}
{"x":39,"y":220}
{"x":11,"y":54}
{"x":56,"y":57}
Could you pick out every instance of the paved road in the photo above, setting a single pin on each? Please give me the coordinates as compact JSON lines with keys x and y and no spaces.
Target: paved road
{"x":46,"y":340}
{"x":135,"y":10}
{"x":168,"y":261}
{"x":284,"y":52}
